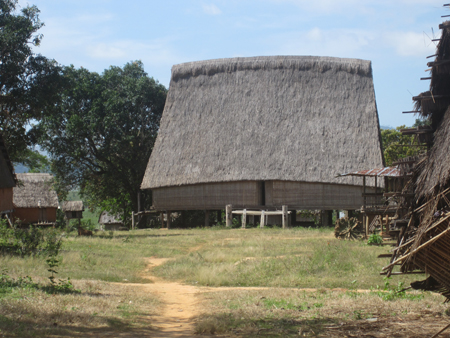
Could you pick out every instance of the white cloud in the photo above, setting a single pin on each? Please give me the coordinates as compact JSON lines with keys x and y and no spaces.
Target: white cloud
{"x":211,"y":9}
{"x":410,"y":43}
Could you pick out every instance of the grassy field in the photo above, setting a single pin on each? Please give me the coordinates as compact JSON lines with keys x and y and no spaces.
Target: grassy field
{"x":282,"y":263}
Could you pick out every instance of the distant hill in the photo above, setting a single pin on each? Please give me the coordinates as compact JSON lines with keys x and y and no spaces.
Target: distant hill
{"x":386,"y":127}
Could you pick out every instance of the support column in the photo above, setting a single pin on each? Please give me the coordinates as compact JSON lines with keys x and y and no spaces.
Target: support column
{"x":285,"y":220}
{"x":162,"y":219}
{"x":206,"y":218}
{"x":228,"y":215}
{"x":132,"y":220}
{"x":244,"y":218}
{"x":169,"y":219}
{"x":262,"y":224}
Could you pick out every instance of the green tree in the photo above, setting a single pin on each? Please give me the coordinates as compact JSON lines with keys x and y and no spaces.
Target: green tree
{"x":102,"y":134}
{"x":395,"y":145}
{"x":28,"y":81}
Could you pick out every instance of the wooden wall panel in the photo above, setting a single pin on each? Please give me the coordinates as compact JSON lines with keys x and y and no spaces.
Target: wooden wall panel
{"x":317,"y":196}
{"x":210,"y":196}
{"x":34,"y":215}
{"x":6,"y":199}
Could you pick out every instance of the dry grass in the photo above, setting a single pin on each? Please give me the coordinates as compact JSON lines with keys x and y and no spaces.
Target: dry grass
{"x":99,"y":308}
{"x":324,"y":313}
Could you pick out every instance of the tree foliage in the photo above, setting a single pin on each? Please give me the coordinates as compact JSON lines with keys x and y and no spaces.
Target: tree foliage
{"x":395,"y":145}
{"x":28,"y":81}
{"x":102,"y":133}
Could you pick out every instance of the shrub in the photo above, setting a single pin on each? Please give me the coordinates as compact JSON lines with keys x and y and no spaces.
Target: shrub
{"x":375,"y":239}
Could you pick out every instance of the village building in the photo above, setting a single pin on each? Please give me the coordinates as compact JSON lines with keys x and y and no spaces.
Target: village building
{"x":73,"y":210}
{"x":110,"y":222}
{"x":263,"y":132}
{"x":35,"y":200}
{"x":7,"y":180}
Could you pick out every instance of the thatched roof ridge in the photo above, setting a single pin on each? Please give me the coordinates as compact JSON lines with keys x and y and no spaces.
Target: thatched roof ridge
{"x":7,"y":176}
{"x":292,"y":118}
{"x":106,"y":218}
{"x":35,"y":191}
{"x":73,"y":206}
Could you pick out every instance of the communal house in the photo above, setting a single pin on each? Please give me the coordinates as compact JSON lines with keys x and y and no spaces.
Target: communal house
{"x":262,"y":132}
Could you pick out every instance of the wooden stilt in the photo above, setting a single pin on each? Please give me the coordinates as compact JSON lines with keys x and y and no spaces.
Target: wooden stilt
{"x":262,"y":224}
{"x":285,"y":220}
{"x":228,"y":215}
{"x":244,"y":218}
{"x":206,"y":218}
{"x":169,"y":219}
{"x":162,"y":219}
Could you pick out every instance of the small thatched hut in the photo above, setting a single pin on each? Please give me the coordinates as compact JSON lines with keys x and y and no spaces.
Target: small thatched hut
{"x":7,"y":179}
{"x":73,"y":209}
{"x":109,"y":222}
{"x":262,"y":132}
{"x":35,"y":200}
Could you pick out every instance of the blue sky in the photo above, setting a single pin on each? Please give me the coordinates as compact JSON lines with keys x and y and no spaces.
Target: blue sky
{"x":394,"y":34}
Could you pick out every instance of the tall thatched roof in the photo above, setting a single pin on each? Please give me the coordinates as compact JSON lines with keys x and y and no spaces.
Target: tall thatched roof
{"x":73,"y":206}
{"x":293,"y":118}
{"x":35,"y":191}
{"x":7,"y":176}
{"x":434,"y":171}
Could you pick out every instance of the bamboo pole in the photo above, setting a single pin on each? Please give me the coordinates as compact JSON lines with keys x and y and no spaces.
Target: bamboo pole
{"x":418,"y":248}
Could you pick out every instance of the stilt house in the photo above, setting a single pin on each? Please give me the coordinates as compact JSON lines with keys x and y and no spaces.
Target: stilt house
{"x":35,"y":200}
{"x":262,"y":132}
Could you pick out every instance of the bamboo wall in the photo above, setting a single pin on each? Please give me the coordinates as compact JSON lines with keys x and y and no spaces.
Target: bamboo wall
{"x":6,"y":199}
{"x":35,"y":215}
{"x":313,"y":196}
{"x":209,"y":196}
{"x":249,"y":194}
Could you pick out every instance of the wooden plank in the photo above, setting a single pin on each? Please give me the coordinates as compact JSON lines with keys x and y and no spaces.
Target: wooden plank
{"x":384,"y":255}
{"x":426,"y":78}
{"x":262,"y":224}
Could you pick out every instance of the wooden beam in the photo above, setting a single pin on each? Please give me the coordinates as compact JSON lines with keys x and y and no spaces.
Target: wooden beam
{"x":437,"y":63}
{"x":403,"y":273}
{"x":426,"y":78}
{"x":433,"y":54}
{"x":411,"y":112}
{"x":244,"y":218}
{"x":169,"y":219}
{"x":430,"y":97}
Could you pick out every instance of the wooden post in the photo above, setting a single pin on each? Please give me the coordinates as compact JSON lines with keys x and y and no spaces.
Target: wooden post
{"x":228,"y":215}
{"x":162,"y":219}
{"x":244,"y":218}
{"x":169,"y":219}
{"x":262,"y":224}
{"x":364,"y":192}
{"x":206,"y":218}
{"x":132,"y":220}
{"x":285,"y":220}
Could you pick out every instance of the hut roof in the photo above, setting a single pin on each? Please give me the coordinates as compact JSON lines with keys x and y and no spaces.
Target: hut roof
{"x":73,"y":206}
{"x":107,"y":218}
{"x":7,"y":176}
{"x":292,"y":118}
{"x":434,"y":170}
{"x":35,"y":191}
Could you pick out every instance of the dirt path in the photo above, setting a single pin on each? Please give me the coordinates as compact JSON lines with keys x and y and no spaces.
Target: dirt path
{"x":181,"y":305}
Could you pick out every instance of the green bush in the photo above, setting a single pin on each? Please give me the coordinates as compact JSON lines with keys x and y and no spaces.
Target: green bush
{"x":375,"y":239}
{"x":28,"y":242}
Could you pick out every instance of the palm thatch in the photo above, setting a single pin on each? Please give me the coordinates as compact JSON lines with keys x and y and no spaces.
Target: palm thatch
{"x":73,"y":206}
{"x":286,"y":118}
{"x":7,"y":176}
{"x":35,"y":191}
